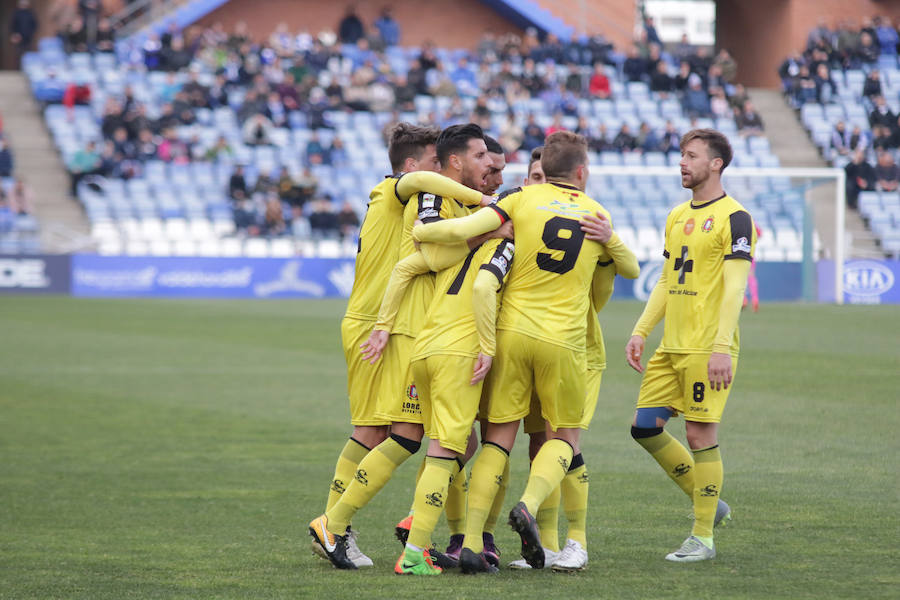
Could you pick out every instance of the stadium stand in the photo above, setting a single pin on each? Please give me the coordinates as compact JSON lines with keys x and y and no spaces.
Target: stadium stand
{"x":311,"y":113}
{"x":846,"y":88}
{"x":19,"y":231}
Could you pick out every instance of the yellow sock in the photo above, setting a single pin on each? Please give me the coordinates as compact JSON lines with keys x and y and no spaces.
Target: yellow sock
{"x":344,"y":470}
{"x":499,"y":498}
{"x":707,"y":487}
{"x":575,"y":500}
{"x":456,"y":503}
{"x":486,"y":479}
{"x":547,"y":518}
{"x":673,"y":457}
{"x":373,"y":472}
{"x":547,"y":471}
{"x":430,"y":497}
{"x":418,"y":475}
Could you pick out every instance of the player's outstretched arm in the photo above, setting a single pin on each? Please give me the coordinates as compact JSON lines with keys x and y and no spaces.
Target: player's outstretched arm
{"x":439,"y":185}
{"x":403,"y":273}
{"x":734,"y":277}
{"x":443,"y":256}
{"x":458,"y":230}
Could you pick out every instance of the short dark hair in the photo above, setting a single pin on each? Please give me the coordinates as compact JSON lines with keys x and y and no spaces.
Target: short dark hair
{"x":409,"y":141}
{"x":493,"y":145}
{"x":563,"y":152}
{"x":718,"y":144}
{"x":535,"y":156}
{"x":455,"y":140}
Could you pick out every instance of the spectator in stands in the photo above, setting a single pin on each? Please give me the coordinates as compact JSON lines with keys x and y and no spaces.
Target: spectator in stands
{"x":237,"y":185}
{"x":881,"y":114}
{"x":350,"y":29}
{"x":273,"y":219}
{"x":75,"y":37}
{"x":316,"y":153}
{"x":23,"y":26}
{"x":680,"y":81}
{"x":534,"y":135}
{"x":599,"y":87}
{"x":647,"y":140}
{"x":337,"y":153}
{"x":307,"y":185}
{"x":86,"y":161}
{"x":90,"y":14}
{"x":21,"y":200}
{"x":727,"y":65}
{"x":388,"y":28}
{"x":635,"y":66}
{"x":145,"y":147}
{"x":287,"y":189}
{"x":719,"y":104}
{"x":859,"y":139}
{"x":660,"y":81}
{"x":887,"y":36}
{"x":122,"y":144}
{"x":257,"y":130}
{"x":670,"y":140}
{"x":265,"y":184}
{"x":881,"y":138}
{"x":789,"y":71}
{"x":106,"y":36}
{"x":860,"y":177}
{"x":887,"y":173}
{"x":696,"y":100}
{"x":348,"y":221}
{"x":323,"y":220}
{"x":805,"y":89}
{"x":650,"y":30}
{"x":748,"y":121}
{"x":511,"y":134}
{"x":300,"y":227}
{"x":624,"y":141}
{"x":555,"y":125}
{"x":826,"y":91}
{"x":172,"y":149}
{"x":176,"y":57}
{"x":867,"y":52}
{"x":840,"y":139}
{"x":872,"y":85}
{"x":6,"y":159}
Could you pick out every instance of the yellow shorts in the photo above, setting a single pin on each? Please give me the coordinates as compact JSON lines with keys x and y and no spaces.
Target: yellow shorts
{"x":363,"y":379}
{"x":449,"y":404}
{"x":526,"y":365}
{"x":398,"y":400}
{"x":681,"y":382}
{"x":534,"y":421}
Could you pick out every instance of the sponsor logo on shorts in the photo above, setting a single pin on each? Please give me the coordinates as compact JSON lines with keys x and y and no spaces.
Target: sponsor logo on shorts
{"x":338,"y":486}
{"x":709,"y":490}
{"x":434,"y":499}
{"x":681,"y":469}
{"x":362,"y":476}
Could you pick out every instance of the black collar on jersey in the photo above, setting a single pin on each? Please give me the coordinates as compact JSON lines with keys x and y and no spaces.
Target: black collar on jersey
{"x":568,"y":186}
{"x":705,"y":204}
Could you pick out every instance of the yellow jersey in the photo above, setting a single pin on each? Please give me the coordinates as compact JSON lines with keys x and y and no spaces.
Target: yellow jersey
{"x":376,"y":253}
{"x":428,"y":208}
{"x":699,"y":239}
{"x":547,"y":294}
{"x":450,"y":325}
{"x":595,"y":348}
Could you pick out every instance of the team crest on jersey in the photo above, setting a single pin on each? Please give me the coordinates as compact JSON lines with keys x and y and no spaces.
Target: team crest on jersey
{"x":411,"y":392}
{"x":741,"y":245}
{"x":708,"y":224}
{"x":689,"y":226}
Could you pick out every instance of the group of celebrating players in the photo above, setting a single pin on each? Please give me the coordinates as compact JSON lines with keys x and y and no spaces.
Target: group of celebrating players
{"x":460,"y":314}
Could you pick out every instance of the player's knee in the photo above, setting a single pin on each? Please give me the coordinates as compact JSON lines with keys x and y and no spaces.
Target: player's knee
{"x":642,"y":433}
{"x":648,"y":418}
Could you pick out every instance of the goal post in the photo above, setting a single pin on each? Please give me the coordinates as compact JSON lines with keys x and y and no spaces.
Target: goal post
{"x":800,"y":179}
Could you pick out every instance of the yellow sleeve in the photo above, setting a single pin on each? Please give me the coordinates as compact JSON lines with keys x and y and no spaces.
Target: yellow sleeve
{"x":602,"y":286}
{"x":435,"y":183}
{"x":458,"y":230}
{"x":403,"y":273}
{"x":443,"y":256}
{"x":626,"y":262}
{"x":484,"y":307}
{"x":735,"y":274}
{"x":655,"y":309}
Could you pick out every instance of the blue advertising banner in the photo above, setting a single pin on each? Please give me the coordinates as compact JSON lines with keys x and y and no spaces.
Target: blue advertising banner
{"x":182,"y":277}
{"x":865,"y":281}
{"x":778,"y":282}
{"x":39,"y":274}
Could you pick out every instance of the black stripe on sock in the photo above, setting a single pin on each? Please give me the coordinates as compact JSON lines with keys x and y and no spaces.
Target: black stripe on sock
{"x":577,"y":461}
{"x":640,"y":433}
{"x":409,"y":445}
{"x":505,"y":451}
{"x":353,"y":439}
{"x":705,"y":449}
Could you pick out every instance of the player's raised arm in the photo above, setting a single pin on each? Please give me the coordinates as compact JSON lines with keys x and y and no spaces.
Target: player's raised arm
{"x":456,"y":230}
{"x":440,"y":185}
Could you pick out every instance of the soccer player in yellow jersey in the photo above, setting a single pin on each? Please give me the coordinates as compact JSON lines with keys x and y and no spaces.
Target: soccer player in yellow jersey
{"x":709,"y":245}
{"x":541,"y":331}
{"x":463,"y":158}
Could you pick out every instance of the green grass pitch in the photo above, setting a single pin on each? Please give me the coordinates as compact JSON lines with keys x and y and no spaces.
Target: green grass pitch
{"x":178,"y":449}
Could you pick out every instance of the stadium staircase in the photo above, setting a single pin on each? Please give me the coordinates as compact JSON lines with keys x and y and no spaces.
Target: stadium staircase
{"x":142,"y":17}
{"x":64,"y":227}
{"x":790,"y":143}
{"x":562,"y":18}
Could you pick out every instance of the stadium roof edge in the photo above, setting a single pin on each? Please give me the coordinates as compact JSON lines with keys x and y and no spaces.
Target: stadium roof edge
{"x":184,"y":15}
{"x":527,"y":13}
